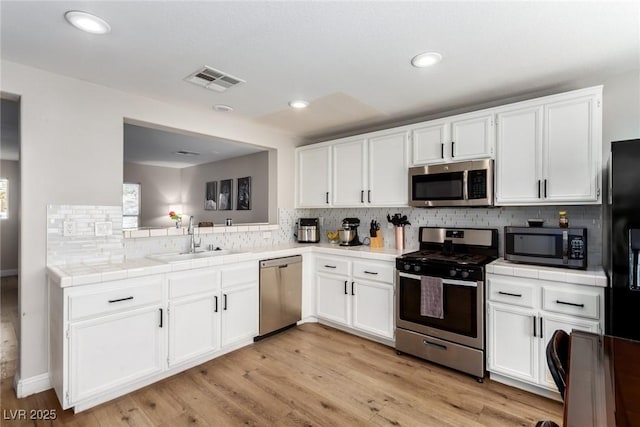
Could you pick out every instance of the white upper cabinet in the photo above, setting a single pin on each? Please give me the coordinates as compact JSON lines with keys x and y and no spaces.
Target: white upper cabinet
{"x":313,"y":170}
{"x":348,"y":183}
{"x":366,"y":171}
{"x":464,"y":137}
{"x":519,"y":135}
{"x":387,"y":174}
{"x":549,"y":150}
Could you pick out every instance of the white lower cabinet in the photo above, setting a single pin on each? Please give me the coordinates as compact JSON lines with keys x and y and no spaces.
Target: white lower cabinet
{"x":194,"y":327}
{"x":107,"y":352}
{"x":347,"y":299}
{"x":522,"y":315}
{"x":110,"y":338}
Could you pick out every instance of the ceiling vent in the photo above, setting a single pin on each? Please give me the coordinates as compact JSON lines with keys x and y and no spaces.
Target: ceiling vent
{"x":213,"y":79}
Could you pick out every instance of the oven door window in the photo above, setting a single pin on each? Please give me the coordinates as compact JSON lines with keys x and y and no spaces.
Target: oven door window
{"x":459,"y":304}
{"x":440,"y":186}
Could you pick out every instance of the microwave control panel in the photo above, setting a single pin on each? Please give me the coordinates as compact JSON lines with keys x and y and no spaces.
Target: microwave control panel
{"x":576,"y":247}
{"x":477,"y":184}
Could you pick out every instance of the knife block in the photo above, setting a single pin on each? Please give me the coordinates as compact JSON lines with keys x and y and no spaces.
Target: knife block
{"x":376,"y":242}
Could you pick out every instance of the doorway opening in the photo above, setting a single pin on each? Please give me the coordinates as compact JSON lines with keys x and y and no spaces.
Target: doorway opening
{"x":9,"y":233}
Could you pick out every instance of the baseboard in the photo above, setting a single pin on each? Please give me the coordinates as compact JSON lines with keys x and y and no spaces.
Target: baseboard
{"x":28,"y":386}
{"x":5,"y":273}
{"x":525,"y":386}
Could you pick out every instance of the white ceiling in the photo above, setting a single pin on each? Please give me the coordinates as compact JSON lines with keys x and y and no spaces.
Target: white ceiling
{"x":349,"y":59}
{"x":157,"y":147}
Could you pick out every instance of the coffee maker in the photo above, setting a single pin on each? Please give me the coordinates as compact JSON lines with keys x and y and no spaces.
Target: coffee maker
{"x":349,"y":232}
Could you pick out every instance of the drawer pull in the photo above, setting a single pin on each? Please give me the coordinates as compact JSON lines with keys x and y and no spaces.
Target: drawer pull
{"x":569,"y":303}
{"x":111,"y":301}
{"x":371,"y":272}
{"x":510,"y":294}
{"x":433,"y":344}
{"x":329,"y":266}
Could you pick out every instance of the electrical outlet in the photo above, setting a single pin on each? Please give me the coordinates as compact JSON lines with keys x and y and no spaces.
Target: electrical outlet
{"x":104,"y":228}
{"x":69,"y":228}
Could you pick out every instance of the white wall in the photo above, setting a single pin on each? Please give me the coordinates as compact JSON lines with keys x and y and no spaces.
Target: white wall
{"x":72,"y":153}
{"x":159,"y":188}
{"x":9,"y":227}
{"x":621,"y":114}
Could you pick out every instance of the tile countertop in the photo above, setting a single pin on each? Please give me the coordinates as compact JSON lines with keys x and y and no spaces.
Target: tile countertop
{"x":592,"y":276}
{"x":87,"y":273}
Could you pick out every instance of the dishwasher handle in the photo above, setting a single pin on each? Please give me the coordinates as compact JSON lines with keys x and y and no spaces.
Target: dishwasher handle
{"x":281,"y":262}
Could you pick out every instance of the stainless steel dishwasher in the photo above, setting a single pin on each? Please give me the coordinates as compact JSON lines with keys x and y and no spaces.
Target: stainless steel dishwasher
{"x":280,"y":294}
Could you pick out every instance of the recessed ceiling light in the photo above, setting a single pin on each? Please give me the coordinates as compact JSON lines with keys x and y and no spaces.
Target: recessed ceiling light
{"x":298,"y":104}
{"x":87,"y":22}
{"x":222,"y":108}
{"x":426,"y":59}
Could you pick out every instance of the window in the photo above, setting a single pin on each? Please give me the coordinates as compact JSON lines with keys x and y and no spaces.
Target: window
{"x":130,"y":205}
{"x":4,"y":198}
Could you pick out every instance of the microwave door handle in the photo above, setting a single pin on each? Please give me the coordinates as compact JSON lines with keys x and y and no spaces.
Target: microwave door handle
{"x":465,"y":190}
{"x":565,"y":247}
{"x":634,"y":271}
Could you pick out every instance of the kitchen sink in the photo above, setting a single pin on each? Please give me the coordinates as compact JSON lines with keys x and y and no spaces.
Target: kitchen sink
{"x":175,"y":257}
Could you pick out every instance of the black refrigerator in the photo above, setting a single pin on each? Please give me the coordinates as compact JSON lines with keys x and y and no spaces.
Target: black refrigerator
{"x":622,"y":240}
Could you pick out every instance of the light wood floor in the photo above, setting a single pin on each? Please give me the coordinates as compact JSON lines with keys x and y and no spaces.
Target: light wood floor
{"x":311,"y":375}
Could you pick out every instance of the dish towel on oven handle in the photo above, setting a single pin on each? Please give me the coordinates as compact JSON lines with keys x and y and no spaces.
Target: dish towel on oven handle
{"x":431,"y":297}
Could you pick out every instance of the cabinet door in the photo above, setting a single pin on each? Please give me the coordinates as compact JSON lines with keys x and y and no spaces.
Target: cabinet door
{"x":110,"y":351}
{"x":373,"y":307}
{"x":348,"y":168}
{"x":428,"y":143}
{"x":551,"y":323}
{"x":313,"y":173}
{"x":332,"y":298}
{"x":513,"y":347}
{"x":472,"y":136}
{"x":388,"y":174}
{"x":519,"y":145}
{"x":239,"y":313}
{"x":193,"y":327}
{"x":571,"y":161}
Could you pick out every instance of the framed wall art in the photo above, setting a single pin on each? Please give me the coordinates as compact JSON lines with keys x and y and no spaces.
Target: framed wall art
{"x":210,"y":196}
{"x":225,"y":200}
{"x":244,"y":194}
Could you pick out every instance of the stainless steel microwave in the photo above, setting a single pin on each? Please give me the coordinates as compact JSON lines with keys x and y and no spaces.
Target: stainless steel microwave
{"x":452,"y":184}
{"x":552,"y":246}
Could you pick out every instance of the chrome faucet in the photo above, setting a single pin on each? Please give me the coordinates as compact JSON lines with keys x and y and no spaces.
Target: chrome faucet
{"x":192,"y":239}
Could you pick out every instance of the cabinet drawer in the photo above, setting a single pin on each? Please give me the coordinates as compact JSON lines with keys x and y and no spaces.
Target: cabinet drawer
{"x":379,"y":271}
{"x":332,"y":265}
{"x":111,"y":297}
{"x":193,"y":282}
{"x":245,"y":272}
{"x":585,"y":304}
{"x":511,"y":291}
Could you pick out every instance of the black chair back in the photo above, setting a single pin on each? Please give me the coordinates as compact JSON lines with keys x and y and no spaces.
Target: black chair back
{"x":558,"y":358}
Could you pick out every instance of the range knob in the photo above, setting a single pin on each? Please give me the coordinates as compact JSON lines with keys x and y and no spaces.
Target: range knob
{"x":465,"y":274}
{"x":452,"y":272}
{"x":416,"y":268}
{"x":407,"y":267}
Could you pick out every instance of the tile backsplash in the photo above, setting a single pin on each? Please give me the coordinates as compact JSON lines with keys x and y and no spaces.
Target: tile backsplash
{"x":84,"y":246}
{"x":498,"y":217}
{"x":80,"y":244}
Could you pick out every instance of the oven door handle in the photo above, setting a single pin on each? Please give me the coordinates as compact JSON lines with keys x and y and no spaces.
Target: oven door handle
{"x":453,"y":282}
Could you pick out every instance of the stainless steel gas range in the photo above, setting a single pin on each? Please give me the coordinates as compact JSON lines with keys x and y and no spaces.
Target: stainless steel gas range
{"x":440,"y":297}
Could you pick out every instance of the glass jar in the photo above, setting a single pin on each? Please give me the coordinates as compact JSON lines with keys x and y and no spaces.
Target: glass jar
{"x":563,"y":221}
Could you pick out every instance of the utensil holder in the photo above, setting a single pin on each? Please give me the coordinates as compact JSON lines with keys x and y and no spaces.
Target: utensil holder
{"x":399,"y":238}
{"x":376,"y":242}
